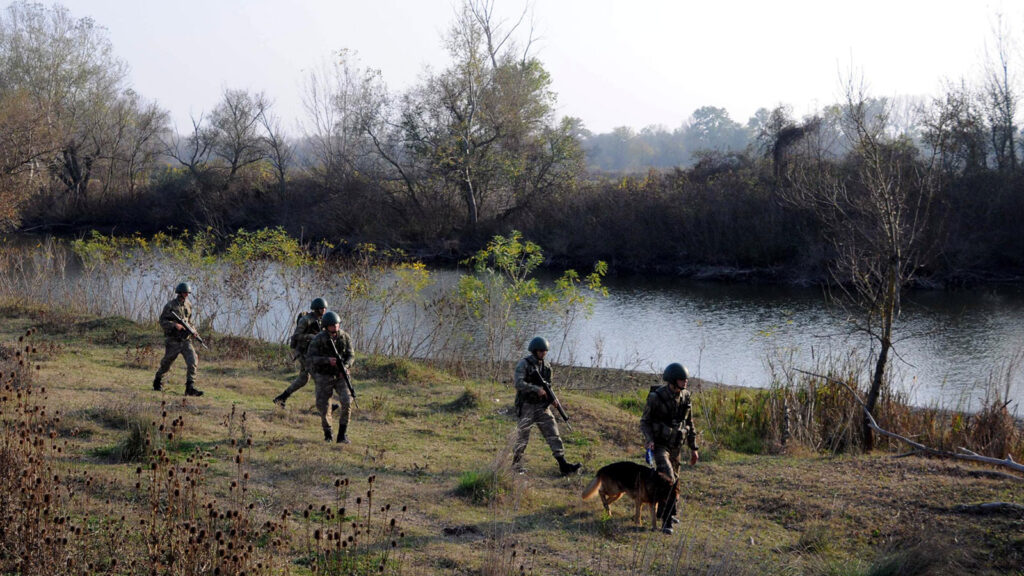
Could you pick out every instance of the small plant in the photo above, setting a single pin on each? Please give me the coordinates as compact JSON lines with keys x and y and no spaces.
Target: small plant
{"x":482,"y":486}
{"x":140,"y":356}
{"x":469,"y":400}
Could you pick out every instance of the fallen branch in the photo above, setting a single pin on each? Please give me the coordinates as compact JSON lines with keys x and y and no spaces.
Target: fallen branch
{"x":966,"y":454}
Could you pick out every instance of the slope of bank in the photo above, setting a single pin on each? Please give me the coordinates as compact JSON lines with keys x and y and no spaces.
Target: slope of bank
{"x":436,"y":446}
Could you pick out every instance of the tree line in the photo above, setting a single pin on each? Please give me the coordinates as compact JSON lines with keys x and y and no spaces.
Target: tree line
{"x":475,"y":149}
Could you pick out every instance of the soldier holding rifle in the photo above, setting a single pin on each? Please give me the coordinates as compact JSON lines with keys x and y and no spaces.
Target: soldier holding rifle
{"x":330,"y":358}
{"x":176,"y":321}
{"x":534,"y":398}
{"x":307,"y":326}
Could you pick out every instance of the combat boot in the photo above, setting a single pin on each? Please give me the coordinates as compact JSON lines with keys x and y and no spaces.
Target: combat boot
{"x":566,"y":468}
{"x":327,"y":436}
{"x":342,"y":438}
{"x":281,"y":399}
{"x":158,"y":385}
{"x":517,"y":464}
{"x":191,"y":390}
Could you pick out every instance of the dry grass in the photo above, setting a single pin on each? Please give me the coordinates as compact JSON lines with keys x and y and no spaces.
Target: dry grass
{"x":259,"y":481}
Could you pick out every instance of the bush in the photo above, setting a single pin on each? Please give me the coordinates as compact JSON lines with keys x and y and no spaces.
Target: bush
{"x":482,"y":487}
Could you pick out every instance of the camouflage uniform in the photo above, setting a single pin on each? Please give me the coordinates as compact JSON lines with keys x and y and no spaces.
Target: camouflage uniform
{"x":307,"y":326}
{"x":532,"y":409}
{"x":177,"y":342}
{"x":328,"y":379}
{"x":666,"y":421}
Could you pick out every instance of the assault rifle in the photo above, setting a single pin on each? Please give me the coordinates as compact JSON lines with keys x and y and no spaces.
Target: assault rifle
{"x":552,"y":399}
{"x":189,"y":328}
{"x":342,"y":371}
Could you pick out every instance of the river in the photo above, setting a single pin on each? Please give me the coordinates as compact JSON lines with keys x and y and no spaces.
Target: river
{"x":950,"y":344}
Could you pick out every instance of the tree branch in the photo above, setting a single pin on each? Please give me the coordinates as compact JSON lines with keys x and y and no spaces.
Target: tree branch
{"x":966,"y":455}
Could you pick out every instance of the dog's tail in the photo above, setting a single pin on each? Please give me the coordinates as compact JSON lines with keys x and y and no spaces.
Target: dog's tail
{"x":592,"y":489}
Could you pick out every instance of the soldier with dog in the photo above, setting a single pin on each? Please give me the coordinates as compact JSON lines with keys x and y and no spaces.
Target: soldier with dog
{"x":667,"y":421}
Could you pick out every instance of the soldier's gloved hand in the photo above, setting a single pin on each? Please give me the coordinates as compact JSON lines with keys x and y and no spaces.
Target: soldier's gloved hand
{"x":694,"y":456}
{"x":179,"y":326}
{"x":333,"y":361}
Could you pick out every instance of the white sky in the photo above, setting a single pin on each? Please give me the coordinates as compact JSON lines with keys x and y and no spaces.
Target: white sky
{"x":613,"y":62}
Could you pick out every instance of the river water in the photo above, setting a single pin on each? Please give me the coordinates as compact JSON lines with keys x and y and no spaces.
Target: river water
{"x":950,"y":344}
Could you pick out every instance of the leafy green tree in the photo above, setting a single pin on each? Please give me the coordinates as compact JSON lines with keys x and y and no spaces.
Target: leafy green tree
{"x":481,"y":133}
{"x":503,"y":286}
{"x":711,"y":128}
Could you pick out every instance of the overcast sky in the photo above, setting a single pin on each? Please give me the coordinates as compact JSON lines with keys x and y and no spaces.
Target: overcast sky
{"x":613,"y":62}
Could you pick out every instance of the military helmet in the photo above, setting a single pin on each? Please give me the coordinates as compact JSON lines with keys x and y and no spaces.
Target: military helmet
{"x":675,"y":371}
{"x":538,"y":343}
{"x":183,"y":288}
{"x":331,"y":318}
{"x":318,"y":303}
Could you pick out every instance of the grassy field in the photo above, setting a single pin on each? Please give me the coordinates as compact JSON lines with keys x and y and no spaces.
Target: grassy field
{"x":430,"y":452}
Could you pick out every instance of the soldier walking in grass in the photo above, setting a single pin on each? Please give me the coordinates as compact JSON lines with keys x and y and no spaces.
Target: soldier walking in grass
{"x":666,"y":422}
{"x":533,"y":406}
{"x":330,"y":358}
{"x":178,"y":340}
{"x":307,"y":326}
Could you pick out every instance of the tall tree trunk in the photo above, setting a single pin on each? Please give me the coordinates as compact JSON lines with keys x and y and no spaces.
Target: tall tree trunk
{"x":888,"y":311}
{"x":472,"y":209}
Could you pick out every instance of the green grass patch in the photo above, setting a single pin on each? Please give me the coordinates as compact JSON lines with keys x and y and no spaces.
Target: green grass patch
{"x":481,"y":486}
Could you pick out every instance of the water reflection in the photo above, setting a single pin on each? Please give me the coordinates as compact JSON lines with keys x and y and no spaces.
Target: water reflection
{"x":950,"y":343}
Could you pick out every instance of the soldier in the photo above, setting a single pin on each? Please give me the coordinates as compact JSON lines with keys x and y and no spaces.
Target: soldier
{"x":330,"y":358}
{"x":178,"y":340}
{"x":307,"y":326}
{"x":533,"y":407}
{"x":666,"y":420}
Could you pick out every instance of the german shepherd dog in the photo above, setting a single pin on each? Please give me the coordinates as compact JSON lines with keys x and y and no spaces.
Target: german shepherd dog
{"x":644,"y":485}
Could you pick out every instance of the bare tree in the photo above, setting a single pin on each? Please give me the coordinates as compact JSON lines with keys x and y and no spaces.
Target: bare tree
{"x":1001,"y":100}
{"x":192,"y":151}
{"x":279,"y":150}
{"x":954,"y":130}
{"x":235,"y":126}
{"x":874,"y":208}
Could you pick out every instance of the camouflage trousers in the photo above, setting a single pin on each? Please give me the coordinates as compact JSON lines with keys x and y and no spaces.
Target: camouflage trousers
{"x":666,"y":460}
{"x":326,"y":386}
{"x":539,"y":414}
{"x":301,"y":380}
{"x":173,"y":347}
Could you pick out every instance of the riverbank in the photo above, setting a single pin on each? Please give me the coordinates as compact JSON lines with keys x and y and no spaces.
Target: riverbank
{"x":435,"y":447}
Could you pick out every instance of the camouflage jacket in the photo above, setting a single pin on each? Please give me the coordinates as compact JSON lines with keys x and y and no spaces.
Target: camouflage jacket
{"x":527,"y":377}
{"x":667,"y":417}
{"x":320,"y":352}
{"x":167,"y":321}
{"x":307,"y":326}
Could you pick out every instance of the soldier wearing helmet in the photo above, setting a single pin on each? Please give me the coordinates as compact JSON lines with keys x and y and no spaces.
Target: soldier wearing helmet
{"x":178,"y":340}
{"x":307,"y":325}
{"x":534,"y":407}
{"x":328,"y":354}
{"x":666,"y":421}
